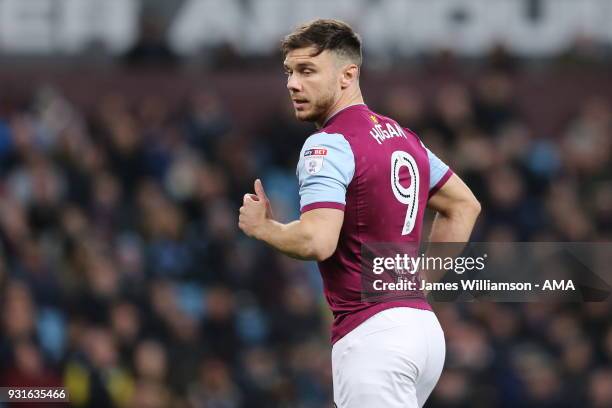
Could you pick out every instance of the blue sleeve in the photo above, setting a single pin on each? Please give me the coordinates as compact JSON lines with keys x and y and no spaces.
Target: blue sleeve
{"x":325,"y":169}
{"x":439,"y":172}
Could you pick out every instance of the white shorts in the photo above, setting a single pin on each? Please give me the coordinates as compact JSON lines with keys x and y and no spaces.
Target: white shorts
{"x":393,"y":359}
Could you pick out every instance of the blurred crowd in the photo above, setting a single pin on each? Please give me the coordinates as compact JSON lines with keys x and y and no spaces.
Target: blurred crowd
{"x":123,"y":275}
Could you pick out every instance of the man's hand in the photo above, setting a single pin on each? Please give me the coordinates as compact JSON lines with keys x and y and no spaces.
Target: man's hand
{"x":255,"y":211}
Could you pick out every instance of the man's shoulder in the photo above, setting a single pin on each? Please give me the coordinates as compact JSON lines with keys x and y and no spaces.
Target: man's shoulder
{"x":326,"y":135}
{"x":327,"y":144}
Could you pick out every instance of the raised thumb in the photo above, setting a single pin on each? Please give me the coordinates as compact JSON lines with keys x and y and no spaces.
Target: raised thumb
{"x":259,"y":190}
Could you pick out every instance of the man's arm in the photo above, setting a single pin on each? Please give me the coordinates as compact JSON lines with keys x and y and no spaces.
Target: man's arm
{"x":313,"y":237}
{"x":457,"y":210}
{"x":325,"y":169}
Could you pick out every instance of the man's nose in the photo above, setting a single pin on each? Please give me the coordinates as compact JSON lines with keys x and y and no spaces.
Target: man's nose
{"x":293,"y":84}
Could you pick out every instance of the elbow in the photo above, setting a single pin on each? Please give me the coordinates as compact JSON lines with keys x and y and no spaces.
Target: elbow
{"x":474,"y":207}
{"x":471,"y":209}
{"x":320,"y":237}
{"x":320,"y":250}
{"x":466,"y":208}
{"x":323,"y":253}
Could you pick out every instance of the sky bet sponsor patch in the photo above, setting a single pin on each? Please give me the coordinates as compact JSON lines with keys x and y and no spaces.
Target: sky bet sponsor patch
{"x":313,"y":159}
{"x":316,"y":151}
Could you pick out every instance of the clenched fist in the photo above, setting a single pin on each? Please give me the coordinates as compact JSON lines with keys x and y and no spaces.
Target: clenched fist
{"x":255,"y":211}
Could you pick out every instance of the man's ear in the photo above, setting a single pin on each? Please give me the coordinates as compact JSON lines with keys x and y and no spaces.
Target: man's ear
{"x":350,"y":74}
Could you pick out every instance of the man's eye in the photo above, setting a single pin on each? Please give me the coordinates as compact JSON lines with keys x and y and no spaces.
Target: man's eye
{"x":307,"y":72}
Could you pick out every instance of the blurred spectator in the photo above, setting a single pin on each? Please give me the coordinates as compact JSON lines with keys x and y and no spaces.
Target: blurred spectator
{"x":214,"y":387}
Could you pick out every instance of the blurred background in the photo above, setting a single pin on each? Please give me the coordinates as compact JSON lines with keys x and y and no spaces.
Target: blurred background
{"x":129,"y":131}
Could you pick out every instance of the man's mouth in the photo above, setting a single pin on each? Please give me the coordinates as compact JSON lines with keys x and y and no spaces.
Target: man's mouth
{"x":299,"y":102}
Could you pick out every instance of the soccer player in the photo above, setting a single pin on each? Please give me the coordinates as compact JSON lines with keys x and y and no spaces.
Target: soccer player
{"x":363,"y":179}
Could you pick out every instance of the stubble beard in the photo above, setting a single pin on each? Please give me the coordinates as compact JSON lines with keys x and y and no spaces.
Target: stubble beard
{"x":319,"y":110}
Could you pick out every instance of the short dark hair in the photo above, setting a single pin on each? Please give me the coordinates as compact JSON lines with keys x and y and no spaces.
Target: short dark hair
{"x":325,"y":34}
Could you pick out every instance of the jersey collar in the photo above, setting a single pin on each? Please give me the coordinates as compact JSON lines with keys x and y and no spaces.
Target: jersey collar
{"x":333,"y":115}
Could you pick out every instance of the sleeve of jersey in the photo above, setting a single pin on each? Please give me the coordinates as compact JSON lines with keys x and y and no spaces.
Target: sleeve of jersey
{"x":439,"y":173}
{"x":325,"y":169}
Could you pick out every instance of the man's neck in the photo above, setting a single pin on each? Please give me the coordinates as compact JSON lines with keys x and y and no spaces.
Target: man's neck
{"x":341,"y":104}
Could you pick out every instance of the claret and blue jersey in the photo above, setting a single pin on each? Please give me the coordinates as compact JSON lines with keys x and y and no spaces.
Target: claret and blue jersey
{"x":381,"y":176}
